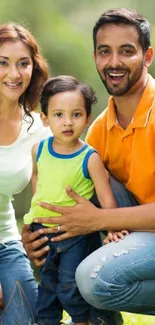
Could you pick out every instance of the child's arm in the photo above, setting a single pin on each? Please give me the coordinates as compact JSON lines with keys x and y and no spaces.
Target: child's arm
{"x":34,"y":168}
{"x":104,"y":193}
{"x":100,"y":179}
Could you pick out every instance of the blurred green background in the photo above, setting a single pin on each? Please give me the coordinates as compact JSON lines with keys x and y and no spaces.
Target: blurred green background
{"x":63,"y":28}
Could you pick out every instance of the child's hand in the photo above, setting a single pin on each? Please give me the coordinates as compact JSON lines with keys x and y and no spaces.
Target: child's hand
{"x":115,"y":236}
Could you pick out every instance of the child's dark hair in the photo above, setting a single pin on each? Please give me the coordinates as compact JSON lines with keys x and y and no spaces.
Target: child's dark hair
{"x":66,"y":83}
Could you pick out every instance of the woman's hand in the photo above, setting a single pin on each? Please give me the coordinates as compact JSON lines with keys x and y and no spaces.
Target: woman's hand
{"x":32,"y":244}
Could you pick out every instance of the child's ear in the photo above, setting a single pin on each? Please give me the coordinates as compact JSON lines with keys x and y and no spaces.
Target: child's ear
{"x":44,"y":119}
{"x":88,"y":121}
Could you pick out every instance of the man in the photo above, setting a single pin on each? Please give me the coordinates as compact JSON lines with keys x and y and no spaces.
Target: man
{"x":118,"y":276}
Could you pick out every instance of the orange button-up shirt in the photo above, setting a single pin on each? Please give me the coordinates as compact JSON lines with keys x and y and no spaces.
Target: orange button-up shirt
{"x":129,"y":154}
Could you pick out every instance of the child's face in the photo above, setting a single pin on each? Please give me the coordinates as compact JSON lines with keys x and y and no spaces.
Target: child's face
{"x":66,"y":116}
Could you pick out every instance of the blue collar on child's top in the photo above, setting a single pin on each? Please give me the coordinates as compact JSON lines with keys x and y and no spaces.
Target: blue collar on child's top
{"x":63,"y":156}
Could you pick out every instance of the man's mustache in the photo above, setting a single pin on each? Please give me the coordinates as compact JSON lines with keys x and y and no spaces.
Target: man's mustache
{"x":116,"y":70}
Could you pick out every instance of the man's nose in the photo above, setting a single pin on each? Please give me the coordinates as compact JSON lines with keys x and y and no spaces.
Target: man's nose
{"x":115,"y":60}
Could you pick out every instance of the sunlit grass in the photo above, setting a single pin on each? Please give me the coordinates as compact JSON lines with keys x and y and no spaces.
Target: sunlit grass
{"x":130,"y":319}
{"x":135,"y":319}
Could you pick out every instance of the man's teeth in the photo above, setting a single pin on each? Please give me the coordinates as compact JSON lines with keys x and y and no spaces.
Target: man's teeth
{"x":116,"y":74}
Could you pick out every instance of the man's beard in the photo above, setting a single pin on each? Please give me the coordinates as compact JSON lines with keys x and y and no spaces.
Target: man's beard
{"x":122,"y":90}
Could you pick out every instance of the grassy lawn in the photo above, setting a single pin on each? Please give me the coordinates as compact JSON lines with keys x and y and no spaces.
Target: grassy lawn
{"x":132,"y":319}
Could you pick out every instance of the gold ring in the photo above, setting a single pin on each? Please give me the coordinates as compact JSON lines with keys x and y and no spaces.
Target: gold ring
{"x":58,"y":228}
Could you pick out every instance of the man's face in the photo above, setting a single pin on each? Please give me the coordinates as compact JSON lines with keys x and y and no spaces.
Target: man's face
{"x":119,"y":58}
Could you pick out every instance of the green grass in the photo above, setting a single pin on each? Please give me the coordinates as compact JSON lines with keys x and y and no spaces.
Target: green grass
{"x":135,"y":319}
{"x":131,"y":319}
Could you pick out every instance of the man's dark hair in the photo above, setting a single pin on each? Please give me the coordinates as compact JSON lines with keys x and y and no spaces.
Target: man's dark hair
{"x":125,"y":16}
{"x":66,"y":83}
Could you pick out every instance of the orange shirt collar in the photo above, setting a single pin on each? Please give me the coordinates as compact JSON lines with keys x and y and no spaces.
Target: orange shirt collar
{"x":143,"y":110}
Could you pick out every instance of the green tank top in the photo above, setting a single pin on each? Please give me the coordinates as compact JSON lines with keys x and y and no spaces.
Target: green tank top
{"x":55,"y":172}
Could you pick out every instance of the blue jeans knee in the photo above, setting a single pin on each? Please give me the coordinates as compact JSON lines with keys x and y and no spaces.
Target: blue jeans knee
{"x":18,"y":285}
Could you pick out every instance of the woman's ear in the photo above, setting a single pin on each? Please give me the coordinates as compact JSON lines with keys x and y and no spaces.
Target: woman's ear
{"x":44,"y":119}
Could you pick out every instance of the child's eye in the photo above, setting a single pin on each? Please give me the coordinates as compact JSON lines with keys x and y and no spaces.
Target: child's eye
{"x":76,"y":114}
{"x":58,"y":114}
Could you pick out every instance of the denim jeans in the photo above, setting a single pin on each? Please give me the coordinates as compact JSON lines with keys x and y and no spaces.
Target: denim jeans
{"x":18,"y":285}
{"x":121,"y":276}
{"x":57,"y":288}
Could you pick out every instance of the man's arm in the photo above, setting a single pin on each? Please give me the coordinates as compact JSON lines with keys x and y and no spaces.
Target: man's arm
{"x":84,"y":218}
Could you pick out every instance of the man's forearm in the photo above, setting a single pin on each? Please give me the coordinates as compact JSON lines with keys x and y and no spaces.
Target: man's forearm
{"x":138,"y":218}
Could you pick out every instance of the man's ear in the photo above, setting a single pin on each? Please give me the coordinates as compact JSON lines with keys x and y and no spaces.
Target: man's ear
{"x":149,"y":56}
{"x":44,"y":119}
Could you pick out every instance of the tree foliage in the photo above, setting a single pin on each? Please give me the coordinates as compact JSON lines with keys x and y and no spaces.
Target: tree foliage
{"x":64,"y":32}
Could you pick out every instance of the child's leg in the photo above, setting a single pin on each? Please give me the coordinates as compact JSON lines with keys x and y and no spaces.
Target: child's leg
{"x":49,"y":309}
{"x":83,"y":323}
{"x":72,"y":252}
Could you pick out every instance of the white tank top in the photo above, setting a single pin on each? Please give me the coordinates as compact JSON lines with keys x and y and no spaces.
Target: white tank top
{"x":15,"y":172}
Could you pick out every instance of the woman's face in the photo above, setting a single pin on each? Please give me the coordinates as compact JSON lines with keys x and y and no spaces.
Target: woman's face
{"x":16,"y":68}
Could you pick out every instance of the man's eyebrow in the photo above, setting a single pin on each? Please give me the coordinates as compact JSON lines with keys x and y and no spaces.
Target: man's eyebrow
{"x":128,"y":45}
{"x":101,"y":46}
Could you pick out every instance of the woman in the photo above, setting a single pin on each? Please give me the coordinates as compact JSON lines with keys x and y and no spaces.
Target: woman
{"x":22,"y":73}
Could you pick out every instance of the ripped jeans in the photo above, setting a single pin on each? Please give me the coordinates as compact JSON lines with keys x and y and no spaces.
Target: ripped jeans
{"x":121,"y":276}
{"x":18,"y":285}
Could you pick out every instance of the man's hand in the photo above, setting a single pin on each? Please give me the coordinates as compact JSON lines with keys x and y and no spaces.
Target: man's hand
{"x":77,"y":220}
{"x":32,"y":244}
